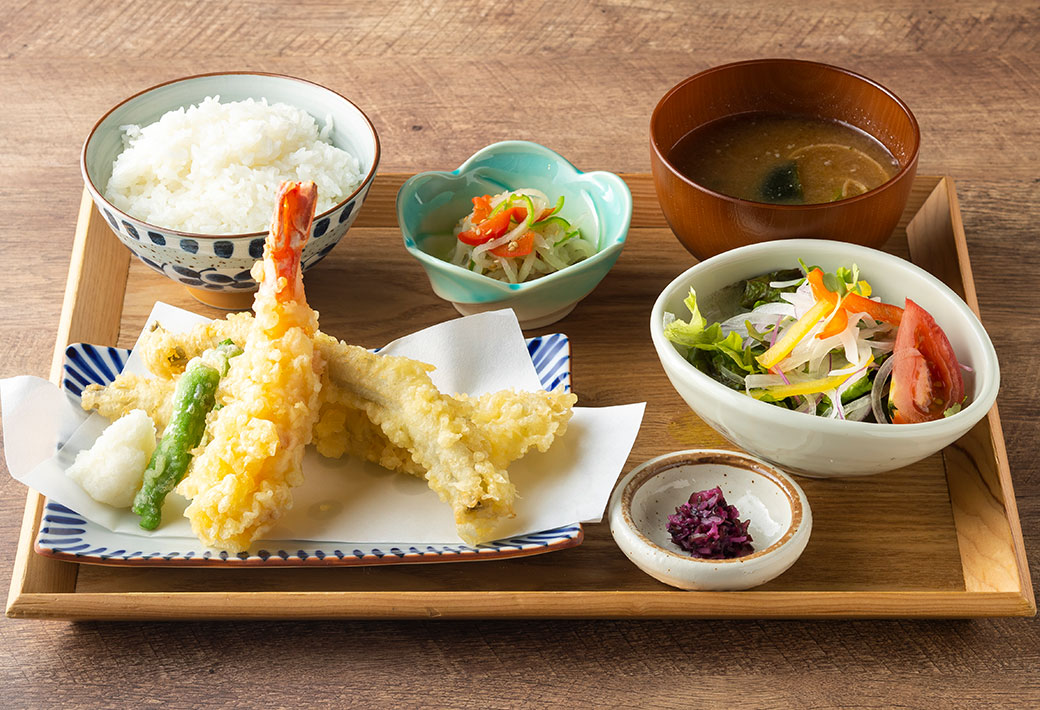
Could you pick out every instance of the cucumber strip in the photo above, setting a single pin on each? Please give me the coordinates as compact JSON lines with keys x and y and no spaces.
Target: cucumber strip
{"x":529,"y":206}
{"x":505,"y":203}
{"x":568,"y":236}
{"x":559,"y":221}
{"x":557,"y":208}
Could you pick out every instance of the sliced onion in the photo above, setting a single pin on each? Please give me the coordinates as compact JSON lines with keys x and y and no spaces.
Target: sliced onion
{"x":858,"y":409}
{"x":853,"y":379}
{"x":731,"y":376}
{"x":808,"y":405}
{"x":880,"y":380}
{"x":802,"y":299}
{"x":785,"y":284}
{"x":837,"y":411}
{"x":776,"y":331}
{"x":755,"y":382}
{"x":763,"y":317}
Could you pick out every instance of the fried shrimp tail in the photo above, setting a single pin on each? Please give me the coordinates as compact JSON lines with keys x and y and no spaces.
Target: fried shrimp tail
{"x":241,"y":482}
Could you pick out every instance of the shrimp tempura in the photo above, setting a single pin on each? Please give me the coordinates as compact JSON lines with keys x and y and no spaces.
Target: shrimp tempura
{"x":240,"y":483}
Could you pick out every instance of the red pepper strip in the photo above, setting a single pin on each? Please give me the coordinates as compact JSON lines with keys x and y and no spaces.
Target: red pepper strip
{"x":481,"y":208}
{"x":521,"y":214}
{"x":491,"y":228}
{"x":835,"y":325}
{"x":518,"y":247}
{"x":852,"y":303}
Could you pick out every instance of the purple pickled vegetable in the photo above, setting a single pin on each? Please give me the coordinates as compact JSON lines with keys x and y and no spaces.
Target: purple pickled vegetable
{"x":708,"y":528}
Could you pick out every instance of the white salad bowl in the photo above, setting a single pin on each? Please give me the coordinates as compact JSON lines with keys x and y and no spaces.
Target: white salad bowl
{"x":818,"y":446}
{"x":777,"y":511}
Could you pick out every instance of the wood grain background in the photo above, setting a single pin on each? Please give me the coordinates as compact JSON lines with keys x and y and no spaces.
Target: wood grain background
{"x":440,"y":79}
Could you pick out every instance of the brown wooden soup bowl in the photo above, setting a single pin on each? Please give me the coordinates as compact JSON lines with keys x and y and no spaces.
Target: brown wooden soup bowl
{"x":708,"y":222}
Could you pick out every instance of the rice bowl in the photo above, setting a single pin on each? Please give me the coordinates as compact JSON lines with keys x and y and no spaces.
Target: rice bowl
{"x":215,"y":266}
{"x":214,"y":167}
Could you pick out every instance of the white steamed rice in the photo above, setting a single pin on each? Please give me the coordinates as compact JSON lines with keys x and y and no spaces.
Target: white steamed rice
{"x":215,"y":168}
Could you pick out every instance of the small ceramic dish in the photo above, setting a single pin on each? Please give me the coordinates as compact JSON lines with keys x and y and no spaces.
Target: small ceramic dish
{"x":820,"y":446}
{"x":430,"y":204}
{"x":778,"y":511}
{"x":215,"y":268}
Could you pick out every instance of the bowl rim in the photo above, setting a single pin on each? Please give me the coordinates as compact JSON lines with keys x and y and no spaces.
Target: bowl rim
{"x":656,"y":466}
{"x":974,"y":412}
{"x":239,"y":235}
{"x":909,"y":167}
{"x":616,"y":238}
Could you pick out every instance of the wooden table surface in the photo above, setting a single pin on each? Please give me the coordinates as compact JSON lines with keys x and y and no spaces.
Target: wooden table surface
{"x":439,"y":80}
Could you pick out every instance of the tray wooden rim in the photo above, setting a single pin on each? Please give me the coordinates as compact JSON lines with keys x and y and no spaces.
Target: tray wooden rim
{"x":44,"y":587}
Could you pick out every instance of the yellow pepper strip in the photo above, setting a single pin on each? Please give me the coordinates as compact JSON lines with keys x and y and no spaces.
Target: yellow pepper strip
{"x":810,"y":387}
{"x":783,"y":347}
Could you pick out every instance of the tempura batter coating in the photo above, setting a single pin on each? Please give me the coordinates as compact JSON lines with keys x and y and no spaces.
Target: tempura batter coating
{"x":128,"y":392}
{"x":516,"y":421}
{"x":511,"y":421}
{"x":240,"y":484}
{"x":165,"y":354}
{"x":398,"y":396}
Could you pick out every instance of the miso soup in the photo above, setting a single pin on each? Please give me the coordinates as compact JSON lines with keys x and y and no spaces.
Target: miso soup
{"x":783,"y":159}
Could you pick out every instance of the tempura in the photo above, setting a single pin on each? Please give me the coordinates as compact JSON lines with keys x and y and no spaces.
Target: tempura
{"x":240,"y":483}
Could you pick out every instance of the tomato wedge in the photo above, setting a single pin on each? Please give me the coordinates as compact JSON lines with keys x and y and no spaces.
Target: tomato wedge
{"x":926,"y":377}
{"x":522,"y":246}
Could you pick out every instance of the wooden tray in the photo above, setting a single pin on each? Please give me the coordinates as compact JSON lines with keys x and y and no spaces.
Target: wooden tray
{"x":938,"y":539}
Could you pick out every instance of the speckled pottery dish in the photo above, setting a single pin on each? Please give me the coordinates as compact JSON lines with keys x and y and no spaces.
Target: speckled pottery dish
{"x":819,"y":446}
{"x":215,"y":269}
{"x":778,"y":511}
{"x":431,"y":203}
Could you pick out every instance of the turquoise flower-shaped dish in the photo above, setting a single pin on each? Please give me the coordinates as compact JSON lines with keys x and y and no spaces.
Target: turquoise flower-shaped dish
{"x":430,"y":204}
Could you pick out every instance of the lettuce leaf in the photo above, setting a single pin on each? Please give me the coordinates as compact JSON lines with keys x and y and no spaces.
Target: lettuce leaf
{"x":696,"y":334}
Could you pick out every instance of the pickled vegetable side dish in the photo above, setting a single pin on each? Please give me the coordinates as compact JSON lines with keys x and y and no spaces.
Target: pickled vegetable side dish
{"x":818,"y":343}
{"x":518,"y":236}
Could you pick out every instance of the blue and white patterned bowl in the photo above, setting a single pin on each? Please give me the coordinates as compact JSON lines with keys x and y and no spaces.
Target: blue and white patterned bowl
{"x":66,"y":535}
{"x":431,"y":203}
{"x":216,"y":268}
